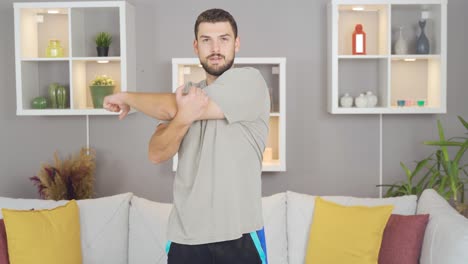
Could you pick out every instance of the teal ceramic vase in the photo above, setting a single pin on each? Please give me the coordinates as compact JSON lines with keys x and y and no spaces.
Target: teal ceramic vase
{"x":422,"y":44}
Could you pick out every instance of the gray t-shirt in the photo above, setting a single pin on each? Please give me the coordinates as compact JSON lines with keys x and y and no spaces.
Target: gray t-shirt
{"x":217,"y":187}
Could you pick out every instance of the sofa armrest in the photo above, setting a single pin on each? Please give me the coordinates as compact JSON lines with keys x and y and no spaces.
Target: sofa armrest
{"x":446,"y":236}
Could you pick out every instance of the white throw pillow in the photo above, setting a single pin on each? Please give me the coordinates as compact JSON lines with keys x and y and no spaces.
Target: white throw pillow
{"x":103,"y":223}
{"x":274,"y":219}
{"x":446,"y":236}
{"x":147,"y":231}
{"x":104,"y":229}
{"x":300,"y":209}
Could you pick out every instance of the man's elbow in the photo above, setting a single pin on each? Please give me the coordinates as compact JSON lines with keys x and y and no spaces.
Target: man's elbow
{"x":156,"y":157}
{"x":169,"y":113}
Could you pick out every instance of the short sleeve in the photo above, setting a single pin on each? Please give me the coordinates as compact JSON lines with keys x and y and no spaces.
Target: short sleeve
{"x":241,"y":93}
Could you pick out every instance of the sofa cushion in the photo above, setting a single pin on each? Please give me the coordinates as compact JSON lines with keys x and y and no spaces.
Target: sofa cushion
{"x":446,"y":236}
{"x":104,"y":227}
{"x":346,"y":234}
{"x":49,"y":235}
{"x":402,"y":239}
{"x":28,"y":204}
{"x":148,"y":224}
{"x":147,"y":231}
{"x":300,"y":208}
{"x":103,"y":222}
{"x":274,"y":220}
{"x":3,"y":244}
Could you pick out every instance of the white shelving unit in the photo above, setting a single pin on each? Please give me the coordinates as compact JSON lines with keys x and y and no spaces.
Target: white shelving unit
{"x":410,"y":77}
{"x":75,"y":24}
{"x":274,"y":73}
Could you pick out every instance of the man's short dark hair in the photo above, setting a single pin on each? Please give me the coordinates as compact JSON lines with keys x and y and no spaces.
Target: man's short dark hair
{"x":216,"y":15}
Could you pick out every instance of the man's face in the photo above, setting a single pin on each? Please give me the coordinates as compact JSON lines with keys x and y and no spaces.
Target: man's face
{"x":216,"y":46}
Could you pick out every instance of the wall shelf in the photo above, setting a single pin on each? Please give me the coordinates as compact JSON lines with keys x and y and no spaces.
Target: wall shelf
{"x":407,"y":78}
{"x":274,"y":73}
{"x":74,"y":24}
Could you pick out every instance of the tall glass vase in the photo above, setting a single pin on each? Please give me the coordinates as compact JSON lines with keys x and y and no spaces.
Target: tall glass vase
{"x":422,"y":44}
{"x":401,"y":46}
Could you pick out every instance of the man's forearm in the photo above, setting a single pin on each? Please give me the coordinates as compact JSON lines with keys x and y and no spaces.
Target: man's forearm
{"x":161,"y":106}
{"x":165,"y":142}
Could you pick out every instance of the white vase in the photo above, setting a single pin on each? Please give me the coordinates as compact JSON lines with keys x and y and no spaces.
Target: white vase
{"x":361,"y":101}
{"x":346,"y":100}
{"x":401,"y":45}
{"x":371,"y":99}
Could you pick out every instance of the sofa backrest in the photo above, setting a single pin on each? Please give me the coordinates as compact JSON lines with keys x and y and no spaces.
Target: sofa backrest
{"x":103,"y":222}
{"x":446,"y":236}
{"x":148,"y":224}
{"x":300,"y":209}
{"x":128,"y":229}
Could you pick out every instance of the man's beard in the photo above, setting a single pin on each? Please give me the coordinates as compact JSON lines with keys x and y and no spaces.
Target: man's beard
{"x":220,"y":69}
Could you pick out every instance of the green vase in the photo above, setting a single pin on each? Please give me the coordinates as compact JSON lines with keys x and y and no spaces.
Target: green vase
{"x":61,"y":97}
{"x":39,"y":103}
{"x":53,"y":95}
{"x":98,"y":92}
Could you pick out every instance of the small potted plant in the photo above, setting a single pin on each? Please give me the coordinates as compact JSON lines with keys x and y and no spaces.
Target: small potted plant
{"x":103,"y":41}
{"x":100,"y":87}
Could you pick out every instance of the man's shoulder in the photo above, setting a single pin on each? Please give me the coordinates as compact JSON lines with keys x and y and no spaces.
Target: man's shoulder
{"x":244,"y":70}
{"x":243,"y":73}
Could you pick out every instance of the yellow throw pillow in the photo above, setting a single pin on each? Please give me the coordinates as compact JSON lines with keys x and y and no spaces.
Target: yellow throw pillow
{"x":346,"y":234}
{"x":49,"y":236}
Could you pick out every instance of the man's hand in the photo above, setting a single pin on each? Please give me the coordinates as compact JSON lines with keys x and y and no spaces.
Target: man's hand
{"x":116,"y":103}
{"x":192,"y":105}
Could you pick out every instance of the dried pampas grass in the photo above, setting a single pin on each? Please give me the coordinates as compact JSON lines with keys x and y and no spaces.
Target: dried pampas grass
{"x":72,"y":178}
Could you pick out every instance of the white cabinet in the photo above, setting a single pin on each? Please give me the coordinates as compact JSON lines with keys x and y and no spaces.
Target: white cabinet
{"x":274,"y":73}
{"x":404,"y":83}
{"x":75,"y":25}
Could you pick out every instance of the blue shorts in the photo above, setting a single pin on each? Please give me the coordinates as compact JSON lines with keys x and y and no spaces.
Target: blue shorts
{"x":249,"y":249}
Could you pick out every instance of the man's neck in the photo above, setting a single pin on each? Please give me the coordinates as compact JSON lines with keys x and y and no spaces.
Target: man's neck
{"x":210,"y":79}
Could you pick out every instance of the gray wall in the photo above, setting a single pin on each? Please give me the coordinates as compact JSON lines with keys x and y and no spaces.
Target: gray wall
{"x":326,"y":154}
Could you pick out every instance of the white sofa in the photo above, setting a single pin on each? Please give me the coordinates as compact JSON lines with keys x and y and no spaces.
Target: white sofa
{"x":128,"y":229}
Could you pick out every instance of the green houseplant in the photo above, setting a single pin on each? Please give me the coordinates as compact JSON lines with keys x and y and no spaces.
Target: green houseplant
{"x":103,"y":41}
{"x":100,"y":87}
{"x":439,"y":171}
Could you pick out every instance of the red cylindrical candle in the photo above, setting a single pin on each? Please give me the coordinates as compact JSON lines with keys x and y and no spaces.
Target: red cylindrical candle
{"x":359,"y":41}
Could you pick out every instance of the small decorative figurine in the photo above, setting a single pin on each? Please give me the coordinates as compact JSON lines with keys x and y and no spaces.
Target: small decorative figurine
{"x":361,"y":101}
{"x":371,"y":99}
{"x":346,"y":100}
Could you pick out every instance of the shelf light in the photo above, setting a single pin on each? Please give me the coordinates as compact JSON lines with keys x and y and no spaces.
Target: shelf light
{"x":358,"y":8}
{"x":409,"y":59}
{"x":52,"y":11}
{"x":39,"y":18}
{"x":102,"y":61}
